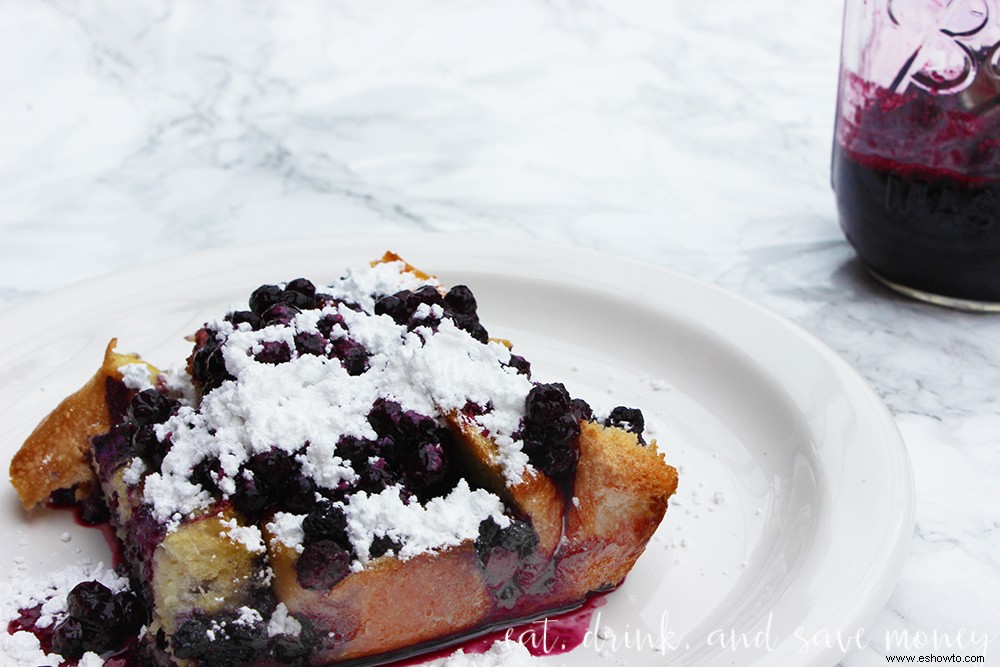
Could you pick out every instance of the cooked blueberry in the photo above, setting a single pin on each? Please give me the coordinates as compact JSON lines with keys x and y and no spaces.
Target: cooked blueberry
{"x":244,"y":317}
{"x":67,"y":639}
{"x":326,"y":522}
{"x":92,"y":603}
{"x":298,"y":299}
{"x":520,"y":364}
{"x":273,"y":352}
{"x":113,"y":448}
{"x":415,"y":427}
{"x":221,"y":641}
{"x":547,"y":402}
{"x":206,"y":473}
{"x":551,"y":429}
{"x":629,"y":419}
{"x":310,"y":343}
{"x":352,"y":355}
{"x":249,"y":498}
{"x":460,"y":300}
{"x":94,"y":510}
{"x":384,"y":416}
{"x":376,"y":475}
{"x":264,"y":297}
{"x":354,"y":449}
{"x":429,"y":465}
{"x":581,"y":410}
{"x":323,"y":300}
{"x":518,"y":537}
{"x":150,"y":407}
{"x":131,"y":614}
{"x":555,"y":451}
{"x":144,"y":440}
{"x":328,"y":322}
{"x":288,"y":650}
{"x":300,"y":496}
{"x":280,"y":313}
{"x":322,"y":565}
{"x":302,"y":286}
{"x":191,"y":639}
{"x":208,"y":366}
{"x":392,"y":306}
{"x":383,"y":544}
{"x":402,"y":305}
{"x":274,"y":471}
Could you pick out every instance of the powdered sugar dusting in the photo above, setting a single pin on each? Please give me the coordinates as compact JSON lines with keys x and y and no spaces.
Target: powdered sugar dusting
{"x":442,"y":522}
{"x":135,"y":376}
{"x":504,"y":653}
{"x":21,"y":649}
{"x":286,"y":529}
{"x":305,"y":405}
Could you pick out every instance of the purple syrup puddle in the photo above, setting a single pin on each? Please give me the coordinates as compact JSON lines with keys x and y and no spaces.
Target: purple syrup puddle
{"x":917,"y":178}
{"x":552,"y":635}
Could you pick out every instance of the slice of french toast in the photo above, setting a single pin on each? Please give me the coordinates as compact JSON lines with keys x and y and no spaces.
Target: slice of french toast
{"x":353,"y":472}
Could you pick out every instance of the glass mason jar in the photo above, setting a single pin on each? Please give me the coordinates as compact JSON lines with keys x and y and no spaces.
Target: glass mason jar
{"x":916,"y":159}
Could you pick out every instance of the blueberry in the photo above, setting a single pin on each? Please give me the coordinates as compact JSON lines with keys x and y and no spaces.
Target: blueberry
{"x":352,"y":355}
{"x":547,"y":402}
{"x":629,"y":419}
{"x":144,"y":441}
{"x":581,"y":410}
{"x":376,"y":476}
{"x":302,"y":286}
{"x":249,"y":499}
{"x":264,"y":297}
{"x":310,"y":343}
{"x":94,"y":510}
{"x":273,"y":352}
{"x":328,"y":322}
{"x":322,"y":565}
{"x":459,"y":299}
{"x":208,"y":366}
{"x":191,"y":639}
{"x":300,"y":495}
{"x":383,"y":544}
{"x":206,"y":472}
{"x":131,"y":614}
{"x":280,"y":313}
{"x":326,"y":522}
{"x":384,"y":416}
{"x":520,"y":364}
{"x":92,"y":603}
{"x":298,"y":299}
{"x":393,"y":306}
{"x":288,"y":650}
{"x":244,"y":317}
{"x":67,"y":639}
{"x":220,"y":641}
{"x":429,"y":466}
{"x":551,"y":429}
{"x":150,"y":407}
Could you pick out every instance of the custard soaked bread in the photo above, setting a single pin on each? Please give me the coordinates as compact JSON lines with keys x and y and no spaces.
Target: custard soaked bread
{"x":351,"y":473}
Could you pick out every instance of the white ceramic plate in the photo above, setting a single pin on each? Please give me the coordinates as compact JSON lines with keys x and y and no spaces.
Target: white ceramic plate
{"x":795,"y":506}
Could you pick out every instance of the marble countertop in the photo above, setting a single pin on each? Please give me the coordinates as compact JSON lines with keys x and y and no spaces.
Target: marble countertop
{"x":694,"y":136}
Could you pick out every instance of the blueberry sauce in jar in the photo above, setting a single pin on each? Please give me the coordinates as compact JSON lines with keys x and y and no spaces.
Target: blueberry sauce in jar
{"x":917,"y":179}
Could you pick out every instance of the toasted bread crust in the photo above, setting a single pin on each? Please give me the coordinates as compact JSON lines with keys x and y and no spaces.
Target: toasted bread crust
{"x":55,"y":455}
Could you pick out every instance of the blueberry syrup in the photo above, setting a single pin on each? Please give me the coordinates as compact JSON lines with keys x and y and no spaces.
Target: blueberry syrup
{"x":917,"y":179}
{"x":552,"y":635}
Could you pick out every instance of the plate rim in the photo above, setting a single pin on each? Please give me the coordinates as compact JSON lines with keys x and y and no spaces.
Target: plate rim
{"x":416,"y":244}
